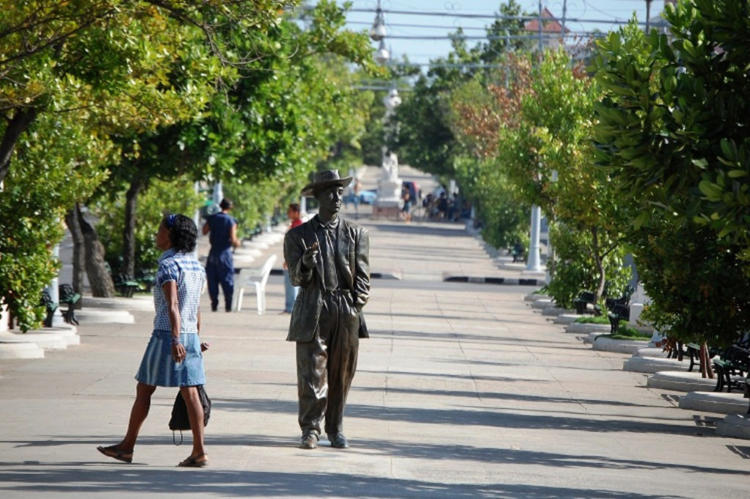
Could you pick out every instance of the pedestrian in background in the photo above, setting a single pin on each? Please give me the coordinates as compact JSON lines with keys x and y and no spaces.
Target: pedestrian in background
{"x":174,"y":355}
{"x":222,"y":228}
{"x":406,"y":207}
{"x":356,"y":189}
{"x":291,"y":291}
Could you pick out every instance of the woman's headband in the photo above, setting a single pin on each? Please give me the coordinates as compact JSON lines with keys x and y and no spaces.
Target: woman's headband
{"x":169,"y":220}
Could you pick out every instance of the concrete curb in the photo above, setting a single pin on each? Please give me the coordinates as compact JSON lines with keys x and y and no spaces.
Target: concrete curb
{"x":144,"y":303}
{"x":47,"y":341}
{"x":586,"y":328}
{"x":393,"y":275}
{"x":590,"y":338}
{"x":542,"y":304}
{"x":655,"y":352}
{"x":734,"y":425}
{"x":67,"y":332}
{"x":495,"y":280}
{"x":725,"y":403}
{"x":605,"y":344}
{"x":535,"y":297}
{"x":567,"y":318}
{"x":105,"y":316}
{"x":20,"y":350}
{"x":651,"y":365}
{"x":680,"y":381}
{"x":555,"y":311}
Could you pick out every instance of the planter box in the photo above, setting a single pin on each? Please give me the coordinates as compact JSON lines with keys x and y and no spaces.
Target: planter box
{"x":681,"y":381}
{"x":641,"y":364}
{"x":725,"y":403}
{"x":734,"y":425}
{"x":581,"y":328}
{"x":605,"y":344}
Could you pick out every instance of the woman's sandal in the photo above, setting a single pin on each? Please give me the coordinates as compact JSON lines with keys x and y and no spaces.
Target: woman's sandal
{"x":114,"y":452}
{"x":198,"y":461}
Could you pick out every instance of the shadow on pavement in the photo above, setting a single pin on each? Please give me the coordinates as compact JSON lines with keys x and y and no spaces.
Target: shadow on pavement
{"x":472,"y":417}
{"x":85,"y":478}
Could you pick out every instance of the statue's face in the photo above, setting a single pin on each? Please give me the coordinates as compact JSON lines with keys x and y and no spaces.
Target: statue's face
{"x":330,"y":199}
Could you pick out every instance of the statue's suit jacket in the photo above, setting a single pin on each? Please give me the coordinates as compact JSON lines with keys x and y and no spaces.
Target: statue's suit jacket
{"x":352,"y":262}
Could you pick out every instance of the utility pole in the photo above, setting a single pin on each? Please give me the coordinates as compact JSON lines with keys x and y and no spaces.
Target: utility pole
{"x":648,"y":15}
{"x":541,"y":48}
{"x":565,"y":11}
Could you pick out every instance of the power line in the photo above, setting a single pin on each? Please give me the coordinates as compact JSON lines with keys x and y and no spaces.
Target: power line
{"x":434,"y":26}
{"x":465,"y":28}
{"x":493,"y":37}
{"x":499,"y":17}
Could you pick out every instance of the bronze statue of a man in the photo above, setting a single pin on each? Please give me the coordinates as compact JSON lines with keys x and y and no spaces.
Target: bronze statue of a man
{"x":328,"y":258}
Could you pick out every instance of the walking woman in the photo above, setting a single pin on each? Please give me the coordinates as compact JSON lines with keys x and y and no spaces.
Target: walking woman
{"x":173,"y":356}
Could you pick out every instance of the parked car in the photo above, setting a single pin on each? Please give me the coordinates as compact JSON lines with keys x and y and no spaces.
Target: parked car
{"x":368,"y":197}
{"x":365,"y":197}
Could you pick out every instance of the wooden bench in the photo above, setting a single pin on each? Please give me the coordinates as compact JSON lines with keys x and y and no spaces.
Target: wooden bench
{"x":49,"y":306}
{"x":72,"y":299}
{"x":582,"y":303}
{"x":732,"y":365}
{"x":125,"y":285}
{"x":257,"y":278}
{"x":517,"y":253}
{"x":618,"y":309}
{"x":146,"y":278}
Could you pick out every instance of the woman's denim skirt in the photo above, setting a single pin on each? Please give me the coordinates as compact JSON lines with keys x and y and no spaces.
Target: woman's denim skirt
{"x":159,"y":369}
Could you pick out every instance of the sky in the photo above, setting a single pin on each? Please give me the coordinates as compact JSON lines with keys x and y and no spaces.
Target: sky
{"x":421,"y":51}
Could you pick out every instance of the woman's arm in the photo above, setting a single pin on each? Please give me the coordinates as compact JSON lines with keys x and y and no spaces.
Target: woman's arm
{"x":233,"y":237}
{"x":173,"y":309}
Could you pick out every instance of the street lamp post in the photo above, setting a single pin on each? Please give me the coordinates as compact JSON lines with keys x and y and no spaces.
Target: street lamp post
{"x":533,"y":263}
{"x":378,"y":32}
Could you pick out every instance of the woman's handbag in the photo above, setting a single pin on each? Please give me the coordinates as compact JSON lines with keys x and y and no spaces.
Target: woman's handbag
{"x":179,"y":419}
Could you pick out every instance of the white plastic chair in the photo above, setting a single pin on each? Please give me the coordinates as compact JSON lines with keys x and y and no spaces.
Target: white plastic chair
{"x":257,"y":278}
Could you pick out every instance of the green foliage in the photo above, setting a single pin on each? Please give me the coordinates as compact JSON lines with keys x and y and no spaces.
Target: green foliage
{"x":673,"y":128}
{"x":173,"y":196}
{"x":625,"y":332}
{"x":163,"y":89}
{"x":596,"y":319}
{"x":426,"y":138}
{"x":78,"y":76}
{"x":257,"y":201}
{"x":504,"y":218}
{"x":54,"y":165}
{"x":574,"y":268}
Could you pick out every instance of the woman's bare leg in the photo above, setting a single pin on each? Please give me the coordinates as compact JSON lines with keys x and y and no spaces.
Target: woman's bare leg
{"x":138,"y":415}
{"x":195,"y":416}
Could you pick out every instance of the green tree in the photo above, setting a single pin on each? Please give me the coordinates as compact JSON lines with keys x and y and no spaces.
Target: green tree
{"x":280,"y":117}
{"x":673,"y":128}
{"x":426,"y":138}
{"x":72,"y":74}
{"x":534,"y":122}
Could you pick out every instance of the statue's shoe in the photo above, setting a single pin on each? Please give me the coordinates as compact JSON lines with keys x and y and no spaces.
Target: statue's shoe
{"x":338,"y":440}
{"x":309,"y":441}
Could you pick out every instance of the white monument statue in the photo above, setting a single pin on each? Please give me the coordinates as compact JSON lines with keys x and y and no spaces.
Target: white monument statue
{"x":389,"y":185}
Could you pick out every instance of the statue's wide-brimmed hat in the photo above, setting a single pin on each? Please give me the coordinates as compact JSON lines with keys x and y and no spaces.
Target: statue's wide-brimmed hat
{"x":323,"y":180}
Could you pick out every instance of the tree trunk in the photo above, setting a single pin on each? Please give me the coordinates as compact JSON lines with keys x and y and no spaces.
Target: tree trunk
{"x":599,"y":264}
{"x":20,"y":122}
{"x":96,"y":269}
{"x":128,"y":232}
{"x":706,"y":369}
{"x":79,"y":251}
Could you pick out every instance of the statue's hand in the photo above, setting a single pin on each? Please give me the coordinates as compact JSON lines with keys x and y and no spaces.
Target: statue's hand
{"x":310,"y":254}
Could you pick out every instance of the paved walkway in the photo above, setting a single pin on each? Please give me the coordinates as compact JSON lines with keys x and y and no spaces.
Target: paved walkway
{"x":461,"y":391}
